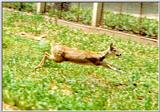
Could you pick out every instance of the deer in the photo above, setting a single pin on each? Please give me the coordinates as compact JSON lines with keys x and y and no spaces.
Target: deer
{"x":60,"y":53}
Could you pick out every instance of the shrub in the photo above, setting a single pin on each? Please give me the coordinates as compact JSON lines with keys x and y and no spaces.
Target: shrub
{"x":125,"y":22}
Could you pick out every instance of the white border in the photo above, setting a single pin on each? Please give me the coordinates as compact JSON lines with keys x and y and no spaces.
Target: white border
{"x":1,"y":14}
{"x":80,"y":0}
{"x":158,"y":55}
{"x":1,"y":57}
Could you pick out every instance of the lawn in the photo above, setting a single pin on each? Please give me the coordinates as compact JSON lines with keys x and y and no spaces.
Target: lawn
{"x":67,"y":86}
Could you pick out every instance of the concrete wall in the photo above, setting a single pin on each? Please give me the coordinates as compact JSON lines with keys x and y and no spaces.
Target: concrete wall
{"x":149,"y":10}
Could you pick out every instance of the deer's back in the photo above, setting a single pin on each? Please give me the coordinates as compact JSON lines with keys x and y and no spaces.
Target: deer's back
{"x":72,"y":54}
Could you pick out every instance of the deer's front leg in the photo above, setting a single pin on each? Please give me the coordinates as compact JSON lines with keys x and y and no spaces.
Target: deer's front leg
{"x":107,"y":65}
{"x":46,"y":56}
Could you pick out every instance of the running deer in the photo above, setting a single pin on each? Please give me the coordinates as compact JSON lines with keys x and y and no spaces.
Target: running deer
{"x":61,"y":53}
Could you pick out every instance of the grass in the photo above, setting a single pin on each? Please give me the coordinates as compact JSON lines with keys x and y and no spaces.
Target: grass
{"x":67,"y":86}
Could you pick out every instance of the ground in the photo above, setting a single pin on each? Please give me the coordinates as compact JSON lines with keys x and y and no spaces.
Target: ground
{"x":67,"y":85}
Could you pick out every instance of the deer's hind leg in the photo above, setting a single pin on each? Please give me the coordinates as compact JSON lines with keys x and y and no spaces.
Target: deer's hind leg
{"x":46,"y":56}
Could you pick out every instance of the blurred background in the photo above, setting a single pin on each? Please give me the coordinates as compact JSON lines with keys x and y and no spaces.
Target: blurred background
{"x":138,"y":18}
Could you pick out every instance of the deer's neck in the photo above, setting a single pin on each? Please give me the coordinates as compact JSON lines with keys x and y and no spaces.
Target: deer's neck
{"x":105,"y":53}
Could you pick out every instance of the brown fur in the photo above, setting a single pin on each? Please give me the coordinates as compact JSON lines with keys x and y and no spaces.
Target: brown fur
{"x":60,"y":53}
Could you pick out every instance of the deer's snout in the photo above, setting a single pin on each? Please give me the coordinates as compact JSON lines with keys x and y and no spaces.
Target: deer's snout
{"x":118,"y":54}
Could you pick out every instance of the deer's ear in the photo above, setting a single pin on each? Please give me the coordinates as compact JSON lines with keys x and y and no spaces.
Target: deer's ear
{"x":111,"y":45}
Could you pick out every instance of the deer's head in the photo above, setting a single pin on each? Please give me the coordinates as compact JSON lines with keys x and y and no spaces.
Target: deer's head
{"x":114,"y":50}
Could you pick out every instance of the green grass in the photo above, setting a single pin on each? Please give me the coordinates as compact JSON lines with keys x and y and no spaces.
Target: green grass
{"x":66,"y":85}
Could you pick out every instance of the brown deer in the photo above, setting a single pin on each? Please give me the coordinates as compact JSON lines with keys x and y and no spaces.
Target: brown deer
{"x":60,"y":53}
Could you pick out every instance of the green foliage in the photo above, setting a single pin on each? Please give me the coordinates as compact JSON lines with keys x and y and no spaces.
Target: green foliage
{"x":74,"y":14}
{"x":150,"y":27}
{"x":72,"y":86}
{"x":143,"y":26}
{"x":122,"y":22}
{"x":12,"y":5}
{"x":29,"y":7}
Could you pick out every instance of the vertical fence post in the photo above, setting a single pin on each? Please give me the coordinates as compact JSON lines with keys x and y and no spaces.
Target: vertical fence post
{"x":141,"y":10}
{"x":78,"y":6}
{"x":102,"y":15}
{"x":120,"y":17}
{"x":21,"y":6}
{"x":121,"y":6}
{"x":140,"y":19}
{"x":97,"y":14}
{"x":41,"y":7}
{"x":61,"y":9}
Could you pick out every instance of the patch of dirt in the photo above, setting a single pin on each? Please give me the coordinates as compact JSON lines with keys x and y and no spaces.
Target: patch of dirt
{"x":66,"y":89}
{"x":53,"y":85}
{"x":140,"y":97}
{"x":8,"y":107}
{"x":31,"y":36}
{"x":96,"y":79}
{"x":120,"y":86}
{"x":63,"y":88}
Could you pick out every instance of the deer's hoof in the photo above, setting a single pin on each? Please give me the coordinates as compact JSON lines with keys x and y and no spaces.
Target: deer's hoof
{"x":37,"y":67}
{"x":121,"y":71}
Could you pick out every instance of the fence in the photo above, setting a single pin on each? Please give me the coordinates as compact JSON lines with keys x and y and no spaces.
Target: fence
{"x":128,"y":17}
{"x":139,"y":18}
{"x":149,"y":10}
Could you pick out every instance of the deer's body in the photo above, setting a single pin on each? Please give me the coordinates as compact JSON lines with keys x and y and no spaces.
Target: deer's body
{"x":60,"y":53}
{"x":63,"y":53}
